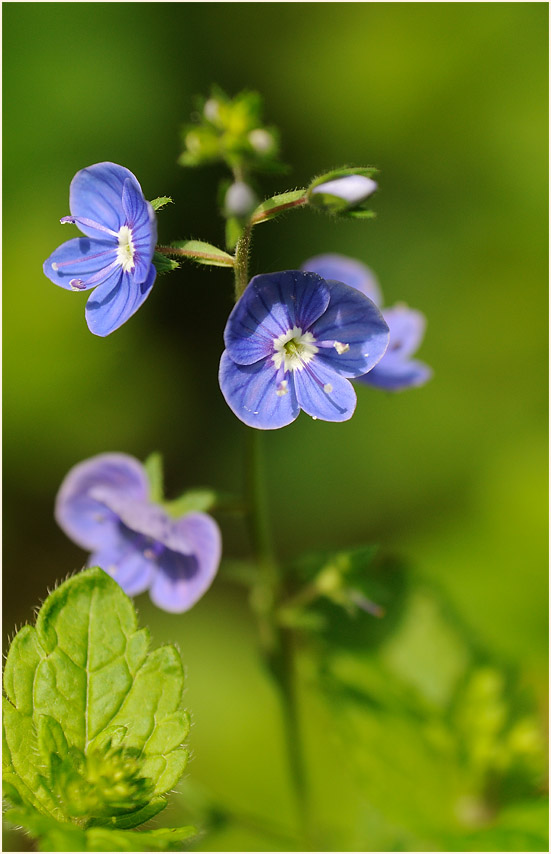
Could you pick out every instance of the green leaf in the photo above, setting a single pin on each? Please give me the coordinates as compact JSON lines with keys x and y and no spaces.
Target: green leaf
{"x":277,"y":205}
{"x":62,"y":836}
{"x":192,"y":501}
{"x":154,"y":469}
{"x":234,"y":230}
{"x":366,"y":171}
{"x":202,"y":253}
{"x":164,"y":264}
{"x":93,"y":725}
{"x":161,"y":202}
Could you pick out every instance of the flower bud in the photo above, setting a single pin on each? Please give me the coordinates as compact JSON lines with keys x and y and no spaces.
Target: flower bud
{"x":343,"y":191}
{"x":240,"y":200}
{"x":261,"y":140}
{"x":352,"y":189}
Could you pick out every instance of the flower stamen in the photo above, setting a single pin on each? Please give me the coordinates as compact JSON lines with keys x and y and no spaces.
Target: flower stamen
{"x":294,"y":349}
{"x":126,"y":250}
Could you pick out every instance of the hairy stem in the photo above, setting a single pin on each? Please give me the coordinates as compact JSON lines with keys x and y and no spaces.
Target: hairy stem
{"x":241,"y":267}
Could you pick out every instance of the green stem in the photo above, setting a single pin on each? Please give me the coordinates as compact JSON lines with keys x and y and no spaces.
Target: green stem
{"x":241,"y":268}
{"x":265,"y":591}
{"x":276,"y":642}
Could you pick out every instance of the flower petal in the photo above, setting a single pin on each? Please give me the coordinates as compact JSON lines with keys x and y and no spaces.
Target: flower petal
{"x":140,"y":518}
{"x":251,"y":392}
{"x":142,"y":221}
{"x":96,"y":194}
{"x":80,"y":258}
{"x":354,"y":321}
{"x":340,"y":268}
{"x":407,"y":328}
{"x":397,"y":375}
{"x":323,"y":393}
{"x":127,"y":566}
{"x":180,"y":580}
{"x":116,"y":300}
{"x":90,"y":523}
{"x":270,"y":306}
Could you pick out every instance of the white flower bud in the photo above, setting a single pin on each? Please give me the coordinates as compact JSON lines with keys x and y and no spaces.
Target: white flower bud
{"x":351,"y":188}
{"x":261,"y":140}
{"x":240,"y":200}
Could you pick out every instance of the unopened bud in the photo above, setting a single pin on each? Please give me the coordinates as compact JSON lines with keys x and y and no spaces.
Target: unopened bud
{"x":261,"y":140}
{"x":352,"y":189}
{"x":240,"y":200}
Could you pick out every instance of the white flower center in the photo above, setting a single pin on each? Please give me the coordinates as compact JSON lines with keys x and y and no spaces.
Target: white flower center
{"x":125,"y":252}
{"x":294,"y":349}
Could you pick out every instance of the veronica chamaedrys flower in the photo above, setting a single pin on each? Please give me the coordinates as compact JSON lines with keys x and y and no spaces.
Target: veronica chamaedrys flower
{"x":292,"y":340}
{"x":115,"y":256}
{"x":103,"y":506}
{"x":396,"y":370}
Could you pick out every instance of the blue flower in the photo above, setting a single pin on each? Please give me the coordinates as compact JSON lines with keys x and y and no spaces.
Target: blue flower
{"x":396,"y":370}
{"x":103,"y":506}
{"x":107,"y":204}
{"x":291,"y":342}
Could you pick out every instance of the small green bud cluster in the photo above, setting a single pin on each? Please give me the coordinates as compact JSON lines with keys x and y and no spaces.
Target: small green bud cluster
{"x":100,"y":784}
{"x":230,"y":130}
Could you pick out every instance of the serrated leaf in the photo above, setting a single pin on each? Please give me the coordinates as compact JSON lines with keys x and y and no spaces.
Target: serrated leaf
{"x":277,"y":205}
{"x":161,"y":202}
{"x":154,"y":470}
{"x":86,"y":700}
{"x":202,"y":253}
{"x":61,"y":836}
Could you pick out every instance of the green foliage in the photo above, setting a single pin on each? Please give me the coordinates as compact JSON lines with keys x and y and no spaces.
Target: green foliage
{"x":192,"y":501}
{"x":234,"y":230}
{"x":161,"y":202}
{"x":341,"y":594}
{"x":277,"y":205}
{"x":164,"y":264}
{"x":153,"y":466}
{"x":61,"y":836}
{"x":93,"y":725}
{"x":202,"y":253}
{"x":441,"y":742}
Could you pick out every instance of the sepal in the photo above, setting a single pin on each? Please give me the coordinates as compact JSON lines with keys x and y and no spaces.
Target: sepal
{"x":161,"y":202}
{"x":163,"y":264}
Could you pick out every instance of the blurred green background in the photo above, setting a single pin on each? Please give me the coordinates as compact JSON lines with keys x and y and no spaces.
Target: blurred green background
{"x":432,"y":738}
